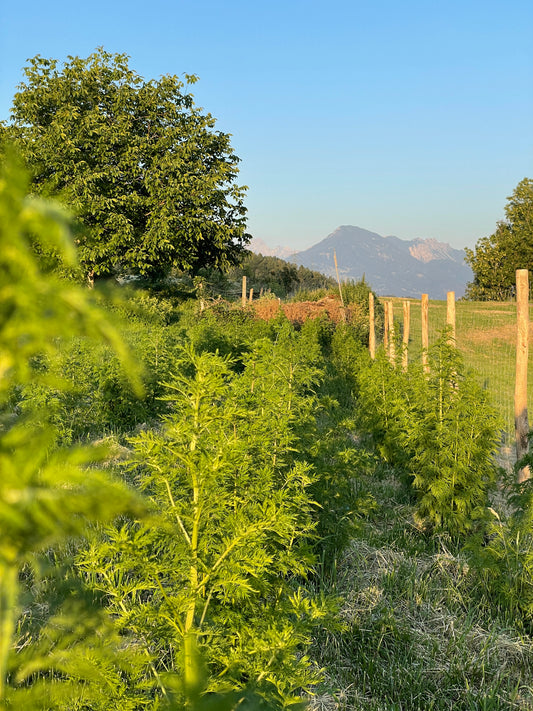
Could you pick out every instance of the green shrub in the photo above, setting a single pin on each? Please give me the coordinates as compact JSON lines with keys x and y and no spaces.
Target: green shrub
{"x":222,"y":564}
{"x":503,"y":557}
{"x":439,"y":429}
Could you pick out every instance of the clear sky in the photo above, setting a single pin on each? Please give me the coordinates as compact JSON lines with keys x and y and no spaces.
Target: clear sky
{"x":402,"y":117}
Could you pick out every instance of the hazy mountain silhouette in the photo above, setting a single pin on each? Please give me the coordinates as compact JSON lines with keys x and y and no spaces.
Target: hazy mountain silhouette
{"x":392,"y":266}
{"x":259,"y":247}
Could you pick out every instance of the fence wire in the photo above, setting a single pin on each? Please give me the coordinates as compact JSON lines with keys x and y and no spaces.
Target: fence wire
{"x":486,"y":337}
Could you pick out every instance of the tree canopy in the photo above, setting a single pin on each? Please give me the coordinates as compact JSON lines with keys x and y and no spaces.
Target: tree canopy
{"x":150,"y":179}
{"x":495,"y":259}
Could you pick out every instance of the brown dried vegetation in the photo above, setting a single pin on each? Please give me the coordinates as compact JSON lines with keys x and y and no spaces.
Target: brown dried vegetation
{"x":301,"y":311}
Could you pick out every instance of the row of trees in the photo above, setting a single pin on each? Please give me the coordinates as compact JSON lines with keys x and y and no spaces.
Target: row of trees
{"x":153,"y":184}
{"x":282,"y":278}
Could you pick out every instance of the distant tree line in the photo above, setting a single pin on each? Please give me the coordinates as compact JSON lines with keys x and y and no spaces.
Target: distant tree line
{"x":272,"y":274}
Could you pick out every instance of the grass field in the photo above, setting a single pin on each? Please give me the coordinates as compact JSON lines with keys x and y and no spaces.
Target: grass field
{"x":486,"y":336}
{"x":418,"y":635}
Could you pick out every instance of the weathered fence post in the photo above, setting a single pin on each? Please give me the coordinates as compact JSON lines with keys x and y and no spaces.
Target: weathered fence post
{"x":406,"y":328}
{"x":425,"y":332}
{"x":251,"y":295}
{"x":371,"y":326}
{"x":386,"y":327}
{"x":450,"y":314}
{"x":243,"y":296}
{"x":338,"y":279}
{"x":522,"y":347}
{"x":392,"y":353}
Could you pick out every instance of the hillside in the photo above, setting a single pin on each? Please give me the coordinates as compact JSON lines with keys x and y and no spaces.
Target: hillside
{"x":394,"y":267}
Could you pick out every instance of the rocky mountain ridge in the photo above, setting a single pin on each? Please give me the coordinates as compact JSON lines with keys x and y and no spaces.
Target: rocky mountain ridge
{"x":392,"y":266}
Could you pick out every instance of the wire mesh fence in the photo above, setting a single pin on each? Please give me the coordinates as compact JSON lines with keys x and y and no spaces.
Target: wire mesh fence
{"x":486,"y":335}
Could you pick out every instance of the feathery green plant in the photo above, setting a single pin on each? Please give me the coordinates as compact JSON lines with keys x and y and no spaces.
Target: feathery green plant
{"x":453,"y":444}
{"x":220,"y":570}
{"x":438,"y":428}
{"x":48,"y":495}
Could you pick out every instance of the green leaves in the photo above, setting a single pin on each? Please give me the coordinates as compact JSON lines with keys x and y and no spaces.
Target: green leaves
{"x":439,"y":429}
{"x":142,"y":167}
{"x":496,"y":258}
{"x":48,"y":495}
{"x":215,"y":569}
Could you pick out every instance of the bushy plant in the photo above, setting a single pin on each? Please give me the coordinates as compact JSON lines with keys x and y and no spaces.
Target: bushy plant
{"x":453,"y":444}
{"x":439,"y":428}
{"x":88,"y":393}
{"x":388,"y":400}
{"x":503,"y":557}
{"x":356,"y":297}
{"x":220,"y":569}
{"x":48,"y":495}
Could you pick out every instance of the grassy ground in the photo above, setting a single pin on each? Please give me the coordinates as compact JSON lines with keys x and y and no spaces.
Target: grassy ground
{"x":486,"y":335}
{"x":417,"y":636}
{"x":419,"y":632}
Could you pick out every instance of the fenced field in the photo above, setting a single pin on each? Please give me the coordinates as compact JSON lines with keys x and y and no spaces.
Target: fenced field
{"x":486,"y":336}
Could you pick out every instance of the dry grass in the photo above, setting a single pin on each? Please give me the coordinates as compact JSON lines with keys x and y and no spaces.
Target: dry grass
{"x":416,"y":636}
{"x":300,"y":311}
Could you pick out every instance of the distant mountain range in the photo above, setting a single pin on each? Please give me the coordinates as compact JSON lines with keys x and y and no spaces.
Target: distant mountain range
{"x":392,"y":266}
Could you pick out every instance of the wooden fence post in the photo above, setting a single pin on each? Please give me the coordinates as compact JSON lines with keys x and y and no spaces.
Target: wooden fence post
{"x":450,"y":314}
{"x":338,"y":279}
{"x":386,"y":327}
{"x":392,"y":353}
{"x":243,"y":296}
{"x":251,"y":295}
{"x":406,"y":329}
{"x":522,"y":347}
{"x":425,"y":332}
{"x":372,"y":326}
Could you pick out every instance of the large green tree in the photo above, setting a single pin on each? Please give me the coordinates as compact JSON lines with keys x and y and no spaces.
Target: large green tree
{"x":151,"y":180}
{"x":495,"y":259}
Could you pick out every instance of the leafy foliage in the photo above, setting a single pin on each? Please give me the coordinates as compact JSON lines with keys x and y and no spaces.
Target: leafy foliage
{"x":496,"y":258}
{"x":503,"y":559}
{"x":234,"y":531}
{"x":439,"y":429}
{"x":148,"y":176}
{"x":47,"y":495}
{"x":453,"y":445}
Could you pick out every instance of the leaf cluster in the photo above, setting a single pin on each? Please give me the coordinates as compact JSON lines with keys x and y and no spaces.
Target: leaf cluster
{"x":439,"y":429}
{"x":503,"y":557}
{"x":222,"y":560}
{"x":49,"y":496}
{"x":145,"y":171}
{"x":495,"y":259}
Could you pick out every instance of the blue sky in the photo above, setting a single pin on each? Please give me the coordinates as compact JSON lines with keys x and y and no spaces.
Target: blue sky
{"x":409,"y":118}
